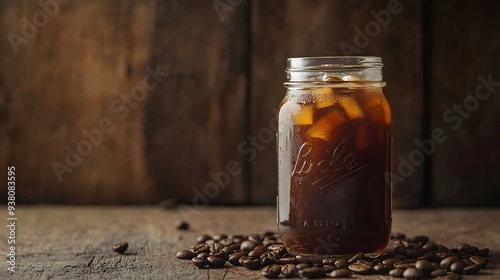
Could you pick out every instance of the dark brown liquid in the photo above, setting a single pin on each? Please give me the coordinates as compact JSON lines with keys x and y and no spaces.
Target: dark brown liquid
{"x":334,"y":152}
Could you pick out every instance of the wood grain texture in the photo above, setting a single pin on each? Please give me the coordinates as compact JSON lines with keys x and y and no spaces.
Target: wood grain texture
{"x":282,"y":29}
{"x":465,"y":166}
{"x":63,"y":81}
{"x":195,"y":121}
{"x":75,"y":242}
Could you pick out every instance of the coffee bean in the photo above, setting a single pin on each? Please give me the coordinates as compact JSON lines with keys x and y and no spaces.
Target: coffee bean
{"x":182,"y":225}
{"x":360,"y":268}
{"x":329,"y":261}
{"x":218,"y":253}
{"x":200,"y":248}
{"x":252,"y":264}
{"x":120,"y":247}
{"x":214,"y":261}
{"x":185,"y":255}
{"x":382,"y":268}
{"x":303,"y":266}
{"x":329,"y":268}
{"x":413,"y":253}
{"x":234,"y":258}
{"x":390,"y":261}
{"x":202,"y":255}
{"x":404,"y":264}
{"x":356,"y":257}
{"x":479,"y":260}
{"x":483,"y":252}
{"x":289,"y":270}
{"x":265,"y":261}
{"x":243,"y":259}
{"x":312,"y":272}
{"x":199,"y":262}
{"x":341,"y":263}
{"x":341,"y":273}
{"x":431,"y":257}
{"x":396,"y":272}
{"x":425,"y":266}
{"x":446,"y":263}
{"x":289,"y":260}
{"x":463,"y":246}
{"x":430,"y":246}
{"x":400,"y":250}
{"x":438,"y":272}
{"x":248,"y":245}
{"x":457,"y":267}
{"x":472,"y":269}
{"x":231,"y":249}
{"x":203,"y":238}
{"x":257,"y":251}
{"x":219,"y":237}
{"x":255,"y":238}
{"x":413,"y":273}
{"x":272,"y":271}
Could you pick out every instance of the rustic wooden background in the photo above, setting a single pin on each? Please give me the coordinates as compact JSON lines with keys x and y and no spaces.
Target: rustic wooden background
{"x":225,"y":62}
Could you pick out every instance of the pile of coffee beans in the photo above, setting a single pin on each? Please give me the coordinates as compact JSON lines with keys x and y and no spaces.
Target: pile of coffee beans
{"x":410,"y":258}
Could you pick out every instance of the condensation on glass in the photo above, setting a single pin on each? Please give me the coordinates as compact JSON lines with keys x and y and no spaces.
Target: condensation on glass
{"x":334,"y":157}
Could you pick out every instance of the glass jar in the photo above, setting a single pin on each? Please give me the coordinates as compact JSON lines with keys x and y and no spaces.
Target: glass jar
{"x":334,"y":157}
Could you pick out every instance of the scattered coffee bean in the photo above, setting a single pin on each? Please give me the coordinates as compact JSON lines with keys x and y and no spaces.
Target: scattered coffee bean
{"x":203,"y":238}
{"x":360,"y":268}
{"x":303,"y":266}
{"x":289,"y":260}
{"x":120,"y":247}
{"x":446,"y":262}
{"x":438,"y":272}
{"x":271,"y":271}
{"x":483,"y":252}
{"x":341,"y":273}
{"x":479,"y":260}
{"x":425,"y":266}
{"x":185,"y":255}
{"x":382,"y":268}
{"x":341,"y":263}
{"x":397,"y":272}
{"x":182,"y":225}
{"x":289,"y":270}
{"x":216,"y":262}
{"x":329,"y":268}
{"x":413,"y":273}
{"x":412,"y":258}
{"x":312,"y":272}
{"x":248,"y":245}
{"x":457,"y":267}
{"x":202,"y":255}
{"x":252,"y":264}
{"x":200,"y":262}
{"x":472,"y":269}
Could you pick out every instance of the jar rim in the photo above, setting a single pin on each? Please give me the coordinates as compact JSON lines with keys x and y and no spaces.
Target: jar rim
{"x":332,"y":63}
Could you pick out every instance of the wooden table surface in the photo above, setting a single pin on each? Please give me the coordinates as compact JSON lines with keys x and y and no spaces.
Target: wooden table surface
{"x":69,"y":242}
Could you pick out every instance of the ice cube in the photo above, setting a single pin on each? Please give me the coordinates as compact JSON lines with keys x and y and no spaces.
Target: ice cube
{"x":305,"y":115}
{"x":323,"y":97}
{"x":325,"y":127}
{"x":351,"y":107}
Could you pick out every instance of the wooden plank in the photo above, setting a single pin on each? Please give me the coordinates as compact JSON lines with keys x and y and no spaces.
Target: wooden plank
{"x":75,"y":242}
{"x":282,"y":29}
{"x":465,"y":166}
{"x":62,"y":79}
{"x":195,"y":121}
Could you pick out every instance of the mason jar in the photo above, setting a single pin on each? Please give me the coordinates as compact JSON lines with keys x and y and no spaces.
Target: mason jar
{"x":334,"y":157}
